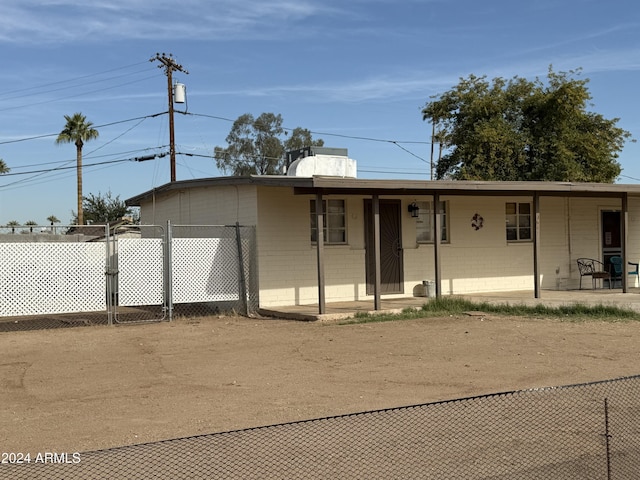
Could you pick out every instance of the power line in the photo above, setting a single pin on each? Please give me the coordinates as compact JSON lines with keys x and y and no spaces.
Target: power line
{"x":397,"y":143}
{"x":372,"y":139}
{"x":44,"y":102}
{"x":40,"y":172}
{"x":36,"y":137}
{"x":67,"y":87}
{"x":87,"y":156}
{"x":72,"y":79}
{"x":352,"y":137}
{"x":142,"y":158}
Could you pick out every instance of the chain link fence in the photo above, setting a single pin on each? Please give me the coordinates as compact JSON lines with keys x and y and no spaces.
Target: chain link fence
{"x":55,"y":277}
{"x":586,"y":431}
{"x":228,"y":282}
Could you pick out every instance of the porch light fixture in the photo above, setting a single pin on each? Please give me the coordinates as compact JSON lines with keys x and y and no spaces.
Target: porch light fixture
{"x":414,"y":210}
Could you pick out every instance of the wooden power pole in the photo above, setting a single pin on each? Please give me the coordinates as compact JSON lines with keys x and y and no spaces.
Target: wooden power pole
{"x":169,"y":65}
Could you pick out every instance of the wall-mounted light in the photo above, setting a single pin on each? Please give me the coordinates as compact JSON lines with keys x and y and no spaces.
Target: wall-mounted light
{"x":414,"y":210}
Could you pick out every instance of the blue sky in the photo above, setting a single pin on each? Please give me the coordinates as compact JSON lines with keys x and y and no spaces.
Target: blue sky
{"x":356,"y":73}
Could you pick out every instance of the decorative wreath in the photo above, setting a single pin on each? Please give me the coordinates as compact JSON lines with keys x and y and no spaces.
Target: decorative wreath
{"x":477,"y":222}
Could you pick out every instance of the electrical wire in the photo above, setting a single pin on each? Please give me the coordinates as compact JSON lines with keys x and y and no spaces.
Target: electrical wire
{"x":38,"y":173}
{"x":351,"y":137}
{"x":44,"y":102}
{"x":67,"y":87}
{"x":10,"y":92}
{"x":105,"y":162}
{"x":37,"y":137}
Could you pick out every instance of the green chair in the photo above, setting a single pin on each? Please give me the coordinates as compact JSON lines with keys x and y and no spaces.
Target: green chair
{"x":616,"y":269}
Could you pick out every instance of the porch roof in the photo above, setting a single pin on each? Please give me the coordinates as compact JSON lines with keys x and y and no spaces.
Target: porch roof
{"x":358,"y":186}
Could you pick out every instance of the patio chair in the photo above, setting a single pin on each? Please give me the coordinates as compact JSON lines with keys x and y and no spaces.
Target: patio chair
{"x":616,"y":269}
{"x":589,"y":267}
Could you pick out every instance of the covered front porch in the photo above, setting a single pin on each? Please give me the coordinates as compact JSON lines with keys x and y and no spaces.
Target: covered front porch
{"x":573,"y":217}
{"x":335,"y":311}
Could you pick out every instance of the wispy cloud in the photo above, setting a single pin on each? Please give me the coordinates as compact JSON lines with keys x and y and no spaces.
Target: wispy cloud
{"x":61,"y":21}
{"x":419,"y":85}
{"x":366,"y":89}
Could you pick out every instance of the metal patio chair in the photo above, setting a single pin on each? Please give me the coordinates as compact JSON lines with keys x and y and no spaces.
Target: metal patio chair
{"x":590,"y":267}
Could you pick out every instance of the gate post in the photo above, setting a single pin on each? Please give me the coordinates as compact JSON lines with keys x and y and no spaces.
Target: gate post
{"x":241,"y":275}
{"x":109,"y":274}
{"x":168,"y":272}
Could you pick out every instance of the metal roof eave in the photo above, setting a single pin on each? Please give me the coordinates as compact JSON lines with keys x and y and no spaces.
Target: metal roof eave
{"x":328,"y":186}
{"x":265,"y":180}
{"x":355,"y":186}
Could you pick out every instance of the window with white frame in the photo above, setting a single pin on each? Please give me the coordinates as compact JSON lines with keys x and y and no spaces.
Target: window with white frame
{"x":424,"y":222}
{"x":518,"y":221}
{"x":335,"y":224}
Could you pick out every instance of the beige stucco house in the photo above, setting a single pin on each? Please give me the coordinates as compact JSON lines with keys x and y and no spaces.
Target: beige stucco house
{"x":378,"y":235}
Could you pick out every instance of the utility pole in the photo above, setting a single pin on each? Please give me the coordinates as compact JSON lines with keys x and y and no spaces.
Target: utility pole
{"x":170,"y":66}
{"x":433,"y":136}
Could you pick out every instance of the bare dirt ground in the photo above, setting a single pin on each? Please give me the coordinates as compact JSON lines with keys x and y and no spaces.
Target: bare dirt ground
{"x":88,"y":388}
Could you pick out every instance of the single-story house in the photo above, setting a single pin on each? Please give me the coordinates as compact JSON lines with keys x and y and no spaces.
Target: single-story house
{"x":325,"y":236}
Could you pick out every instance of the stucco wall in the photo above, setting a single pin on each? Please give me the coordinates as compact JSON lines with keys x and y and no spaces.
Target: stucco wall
{"x":482,"y":260}
{"x":473,"y":261}
{"x":221,"y":205}
{"x":288,"y":259}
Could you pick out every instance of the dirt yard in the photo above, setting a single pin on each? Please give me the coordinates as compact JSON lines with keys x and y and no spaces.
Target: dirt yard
{"x":88,"y":388}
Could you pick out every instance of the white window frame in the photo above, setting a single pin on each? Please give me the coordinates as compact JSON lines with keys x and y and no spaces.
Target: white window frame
{"x":335,"y":221}
{"x":424,"y":222}
{"x":518,"y":222}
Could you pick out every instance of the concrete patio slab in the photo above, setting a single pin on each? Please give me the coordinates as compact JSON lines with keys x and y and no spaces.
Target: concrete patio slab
{"x":553,"y":298}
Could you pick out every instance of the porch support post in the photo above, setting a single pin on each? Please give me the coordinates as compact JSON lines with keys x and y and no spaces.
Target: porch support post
{"x":320,"y":252}
{"x":437,"y":227}
{"x":624,"y":227}
{"x":536,"y":245}
{"x":375,"y":203}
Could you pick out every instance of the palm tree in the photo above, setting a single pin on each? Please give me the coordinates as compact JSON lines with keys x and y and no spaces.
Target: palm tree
{"x":13,"y":224}
{"x":53,"y":219}
{"x":31,"y":224}
{"x":3,"y":167}
{"x":78,"y":130}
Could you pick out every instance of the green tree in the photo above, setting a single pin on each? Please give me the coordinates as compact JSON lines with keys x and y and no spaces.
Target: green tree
{"x":103,"y":208}
{"x":78,"y":130}
{"x":255,"y":145}
{"x":300,"y":138}
{"x":3,"y":167}
{"x":524,"y":130}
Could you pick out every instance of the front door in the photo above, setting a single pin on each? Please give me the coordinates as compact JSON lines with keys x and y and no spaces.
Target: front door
{"x":611,"y":236}
{"x":391,"y":268}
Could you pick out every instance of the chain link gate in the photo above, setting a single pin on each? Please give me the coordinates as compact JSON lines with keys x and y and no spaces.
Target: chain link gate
{"x":136,"y":274}
{"x":155,"y":273}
